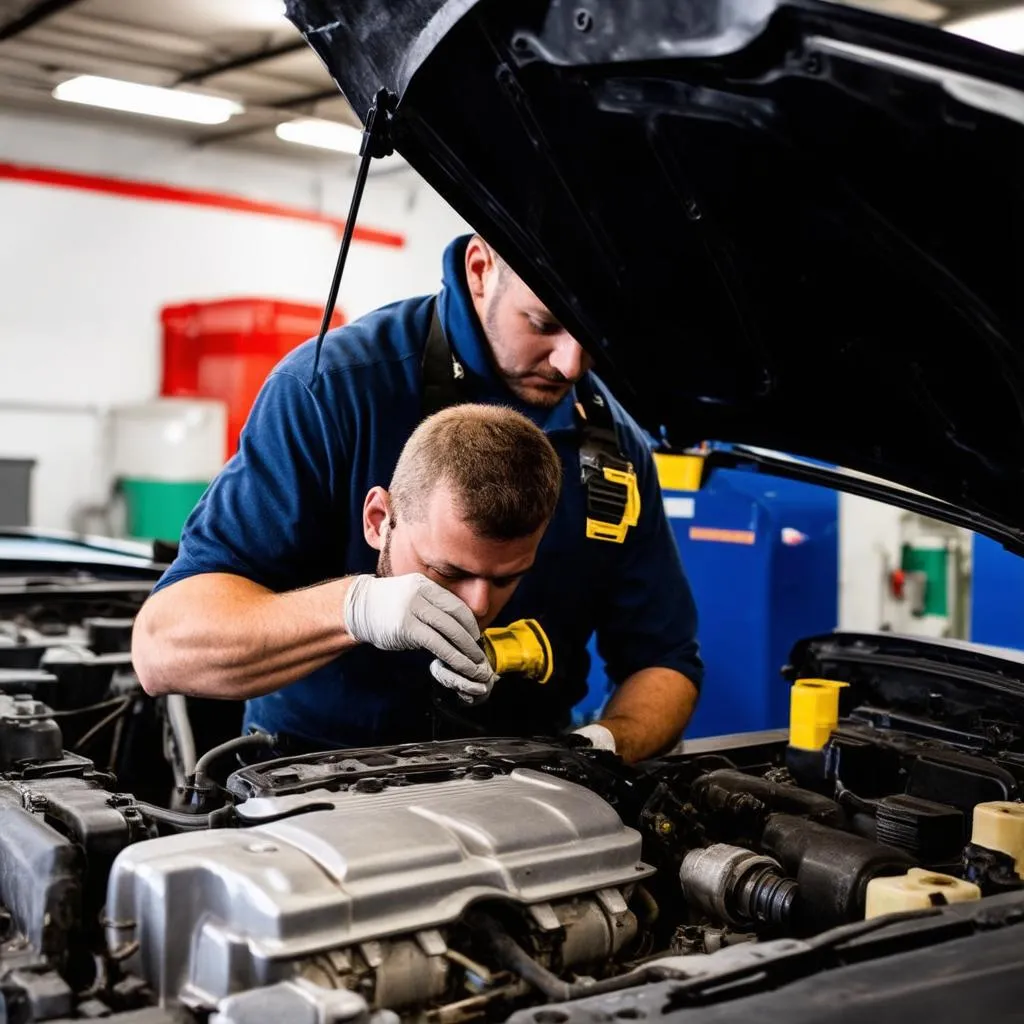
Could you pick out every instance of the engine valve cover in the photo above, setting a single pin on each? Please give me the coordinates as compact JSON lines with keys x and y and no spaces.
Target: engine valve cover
{"x":223,"y":910}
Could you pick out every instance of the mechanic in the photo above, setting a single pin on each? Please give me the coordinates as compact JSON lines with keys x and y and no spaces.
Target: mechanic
{"x":244,"y":610}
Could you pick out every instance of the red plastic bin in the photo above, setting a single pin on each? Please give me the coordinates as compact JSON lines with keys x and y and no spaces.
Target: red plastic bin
{"x":225,"y":349}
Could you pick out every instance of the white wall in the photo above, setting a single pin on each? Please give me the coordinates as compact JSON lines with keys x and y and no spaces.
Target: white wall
{"x":83,"y":275}
{"x":869,"y":540}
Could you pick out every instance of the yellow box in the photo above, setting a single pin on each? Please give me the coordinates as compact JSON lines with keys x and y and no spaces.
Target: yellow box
{"x":916,"y":890}
{"x":679,"y":472}
{"x":999,"y":825}
{"x":813,"y":712}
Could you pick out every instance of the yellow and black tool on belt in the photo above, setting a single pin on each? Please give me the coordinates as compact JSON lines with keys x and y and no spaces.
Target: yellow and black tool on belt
{"x":522,"y":648}
{"x":613,"y":497}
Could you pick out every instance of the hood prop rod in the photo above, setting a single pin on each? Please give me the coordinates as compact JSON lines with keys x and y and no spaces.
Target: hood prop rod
{"x":376,"y":142}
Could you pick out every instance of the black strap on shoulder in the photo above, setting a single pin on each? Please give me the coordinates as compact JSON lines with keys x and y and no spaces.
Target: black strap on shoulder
{"x":613,"y":499}
{"x":442,"y":373}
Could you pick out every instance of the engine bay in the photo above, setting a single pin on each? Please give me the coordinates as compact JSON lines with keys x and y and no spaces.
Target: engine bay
{"x":476,"y":879}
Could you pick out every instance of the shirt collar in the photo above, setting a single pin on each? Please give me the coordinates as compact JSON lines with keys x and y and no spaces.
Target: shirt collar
{"x":466,"y":337}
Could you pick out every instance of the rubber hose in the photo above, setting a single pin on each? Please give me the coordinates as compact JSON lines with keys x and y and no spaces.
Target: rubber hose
{"x":236,"y":743}
{"x":176,"y":819}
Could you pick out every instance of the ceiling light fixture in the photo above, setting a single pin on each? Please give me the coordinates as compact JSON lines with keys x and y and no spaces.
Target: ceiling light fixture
{"x":1001,"y":29}
{"x":313,"y":131}
{"x":115,"y":94}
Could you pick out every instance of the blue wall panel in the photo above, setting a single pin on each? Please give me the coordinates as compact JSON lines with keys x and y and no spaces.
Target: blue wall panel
{"x":997,"y":595}
{"x":764,"y":574}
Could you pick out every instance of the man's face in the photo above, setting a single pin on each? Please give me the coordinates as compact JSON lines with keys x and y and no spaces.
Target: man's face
{"x":537,"y":357}
{"x":482,"y":573}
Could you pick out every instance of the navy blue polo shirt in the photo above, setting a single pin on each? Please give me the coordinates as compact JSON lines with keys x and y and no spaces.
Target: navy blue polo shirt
{"x":286,"y":512}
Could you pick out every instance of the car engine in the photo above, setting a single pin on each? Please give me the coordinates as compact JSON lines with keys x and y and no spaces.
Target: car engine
{"x":471,"y":879}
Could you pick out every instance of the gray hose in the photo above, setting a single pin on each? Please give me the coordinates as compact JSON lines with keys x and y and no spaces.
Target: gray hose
{"x":236,"y":743}
{"x":514,"y":958}
{"x":176,"y":819}
{"x":181,"y":729}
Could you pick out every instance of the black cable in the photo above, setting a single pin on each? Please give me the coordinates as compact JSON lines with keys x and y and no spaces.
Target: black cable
{"x":72,"y":712}
{"x":94,"y":731}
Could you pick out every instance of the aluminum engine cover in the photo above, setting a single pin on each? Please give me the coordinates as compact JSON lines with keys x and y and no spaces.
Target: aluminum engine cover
{"x":219,"y":911}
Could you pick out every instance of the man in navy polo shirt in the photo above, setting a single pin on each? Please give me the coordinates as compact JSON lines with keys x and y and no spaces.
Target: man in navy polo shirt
{"x":254,"y":605}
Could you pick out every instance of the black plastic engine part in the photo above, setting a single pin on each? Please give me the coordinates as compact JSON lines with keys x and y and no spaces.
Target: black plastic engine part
{"x":17,"y":652}
{"x":31,"y":681}
{"x":992,"y":871}
{"x":960,"y":779}
{"x":83,"y":677}
{"x":931,"y":832}
{"x":865,"y":764}
{"x":35,"y":996}
{"x":728,"y":793}
{"x":832,"y":867}
{"x":99,"y":822}
{"x":109,"y":636}
{"x":737,"y":886}
{"x":40,"y":875}
{"x":26,"y":733}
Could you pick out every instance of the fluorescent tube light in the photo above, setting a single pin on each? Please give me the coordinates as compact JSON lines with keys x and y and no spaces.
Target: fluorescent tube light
{"x":313,"y":131}
{"x":153,"y":100}
{"x":1001,"y":29}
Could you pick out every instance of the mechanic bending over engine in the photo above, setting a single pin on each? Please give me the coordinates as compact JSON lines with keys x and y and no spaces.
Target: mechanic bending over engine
{"x":271,"y":596}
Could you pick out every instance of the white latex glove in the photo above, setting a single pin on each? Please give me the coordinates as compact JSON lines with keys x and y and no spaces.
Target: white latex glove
{"x":471,"y":691}
{"x":406,"y":613}
{"x":598,"y":735}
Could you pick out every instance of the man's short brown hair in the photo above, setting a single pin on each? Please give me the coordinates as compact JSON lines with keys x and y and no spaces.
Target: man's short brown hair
{"x":502,"y":469}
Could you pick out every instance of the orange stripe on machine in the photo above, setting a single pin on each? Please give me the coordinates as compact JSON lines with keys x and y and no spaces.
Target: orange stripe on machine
{"x":722,"y":536}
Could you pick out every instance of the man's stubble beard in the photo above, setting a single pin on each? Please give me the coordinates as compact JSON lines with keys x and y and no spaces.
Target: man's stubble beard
{"x":525,"y":394}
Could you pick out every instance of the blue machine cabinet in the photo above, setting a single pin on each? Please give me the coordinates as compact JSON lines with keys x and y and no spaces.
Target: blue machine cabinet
{"x":762,"y":556}
{"x":997,"y":595}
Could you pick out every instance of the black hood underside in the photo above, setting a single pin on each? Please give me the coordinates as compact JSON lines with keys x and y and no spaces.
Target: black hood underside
{"x":794,"y":225}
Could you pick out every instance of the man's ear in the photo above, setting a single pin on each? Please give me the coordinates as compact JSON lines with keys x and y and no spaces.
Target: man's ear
{"x":479,"y":264}
{"x":376,"y":517}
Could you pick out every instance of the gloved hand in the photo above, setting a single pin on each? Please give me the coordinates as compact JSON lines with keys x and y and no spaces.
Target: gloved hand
{"x":405,"y":613}
{"x":600,"y":736}
{"x":471,"y":691}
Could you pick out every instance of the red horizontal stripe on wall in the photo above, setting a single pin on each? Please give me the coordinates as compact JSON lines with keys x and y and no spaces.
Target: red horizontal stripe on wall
{"x":154,"y":192}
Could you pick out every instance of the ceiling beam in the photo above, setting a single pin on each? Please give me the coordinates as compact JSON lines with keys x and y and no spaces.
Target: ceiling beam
{"x":35,"y":15}
{"x":245,"y":61}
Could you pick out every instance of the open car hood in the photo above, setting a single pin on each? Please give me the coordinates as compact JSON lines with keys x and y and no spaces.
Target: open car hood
{"x":781,"y":224}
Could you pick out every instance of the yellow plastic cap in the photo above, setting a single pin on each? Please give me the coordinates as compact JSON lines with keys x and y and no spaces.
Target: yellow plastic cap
{"x":813,"y":712}
{"x":679,"y":472}
{"x":521,"y":648}
{"x":999,"y":825}
{"x":916,"y":890}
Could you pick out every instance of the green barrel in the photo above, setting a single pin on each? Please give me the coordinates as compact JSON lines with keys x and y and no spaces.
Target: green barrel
{"x":932,"y":558}
{"x":157,"y":509}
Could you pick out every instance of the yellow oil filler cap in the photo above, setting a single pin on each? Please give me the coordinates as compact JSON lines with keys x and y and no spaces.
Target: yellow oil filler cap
{"x":999,"y":825}
{"x":813,"y":712}
{"x":916,"y":890}
{"x":521,"y":648}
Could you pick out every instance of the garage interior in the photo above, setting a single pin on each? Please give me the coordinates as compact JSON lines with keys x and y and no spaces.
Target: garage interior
{"x":127,"y":231}
{"x":175,"y":181}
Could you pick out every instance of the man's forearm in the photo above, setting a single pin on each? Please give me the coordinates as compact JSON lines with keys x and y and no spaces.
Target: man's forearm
{"x":648,"y":712}
{"x":219,"y":635}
